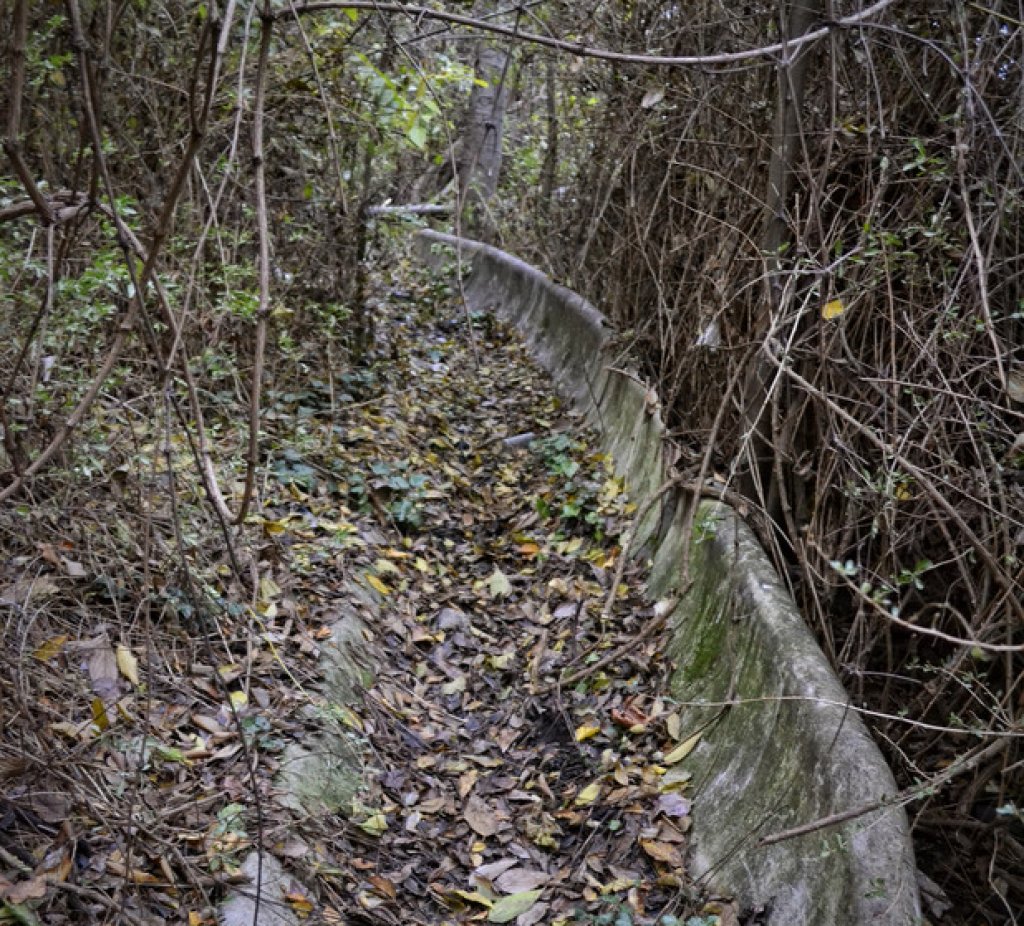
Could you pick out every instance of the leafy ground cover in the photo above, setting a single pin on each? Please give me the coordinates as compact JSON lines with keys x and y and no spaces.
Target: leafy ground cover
{"x":522,"y":764}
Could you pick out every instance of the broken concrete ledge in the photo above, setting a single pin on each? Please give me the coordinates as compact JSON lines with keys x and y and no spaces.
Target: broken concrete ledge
{"x":779,"y":747}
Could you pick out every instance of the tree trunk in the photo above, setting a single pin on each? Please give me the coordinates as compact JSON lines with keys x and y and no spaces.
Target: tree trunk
{"x":800,"y":16}
{"x":479,"y":157}
{"x":761,"y":482}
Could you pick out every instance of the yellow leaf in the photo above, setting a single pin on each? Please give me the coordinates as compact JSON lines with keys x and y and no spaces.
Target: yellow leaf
{"x":832,"y":309}
{"x":662,"y":852}
{"x":300,"y":903}
{"x":99,"y":714}
{"x":73,"y":731}
{"x":513,"y":906}
{"x":588,"y":795}
{"x":475,"y":897}
{"x":586,"y":731}
{"x":128,"y":664}
{"x":499,"y":584}
{"x":51,"y":648}
{"x":682,"y":750}
{"x":348,"y":717}
{"x":455,"y":686}
{"x":269,"y":588}
{"x":377,"y":585}
{"x":375,"y":825}
{"x":675,"y":779}
{"x":239,"y":699}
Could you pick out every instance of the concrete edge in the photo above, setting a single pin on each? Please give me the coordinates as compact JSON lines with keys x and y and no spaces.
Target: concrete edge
{"x":323,"y":774}
{"x":742,"y":602}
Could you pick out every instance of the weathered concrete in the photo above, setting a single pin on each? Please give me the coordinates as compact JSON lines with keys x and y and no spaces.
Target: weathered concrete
{"x":785,"y":752}
{"x":324,"y":773}
{"x":268,"y":882}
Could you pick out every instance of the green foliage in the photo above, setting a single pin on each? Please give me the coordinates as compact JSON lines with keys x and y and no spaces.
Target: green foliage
{"x":396,"y":486}
{"x":228,"y":836}
{"x":290,"y":468}
{"x":90,"y":298}
{"x":403,"y":105}
{"x":584,"y":492}
{"x":260,"y":733}
{"x":620,"y":913}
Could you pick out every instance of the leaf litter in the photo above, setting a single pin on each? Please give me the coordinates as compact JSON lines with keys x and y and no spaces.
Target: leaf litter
{"x":474,"y":505}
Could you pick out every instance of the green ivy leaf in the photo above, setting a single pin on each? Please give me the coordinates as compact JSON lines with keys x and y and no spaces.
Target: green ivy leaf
{"x":418,"y":134}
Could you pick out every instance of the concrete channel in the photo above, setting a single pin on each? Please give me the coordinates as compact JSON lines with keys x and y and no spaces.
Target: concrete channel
{"x":780,"y":749}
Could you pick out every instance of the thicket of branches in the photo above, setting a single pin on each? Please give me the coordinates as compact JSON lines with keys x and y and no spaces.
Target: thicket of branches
{"x":848,"y":282}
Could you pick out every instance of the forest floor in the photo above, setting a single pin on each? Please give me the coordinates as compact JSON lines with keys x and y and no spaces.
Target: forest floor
{"x":523,"y":763}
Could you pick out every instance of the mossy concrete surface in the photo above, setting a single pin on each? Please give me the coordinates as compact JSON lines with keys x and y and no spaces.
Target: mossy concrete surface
{"x":779,"y":747}
{"x":323,"y":773}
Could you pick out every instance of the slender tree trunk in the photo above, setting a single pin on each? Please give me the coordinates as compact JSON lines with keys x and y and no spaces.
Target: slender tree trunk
{"x":800,"y":17}
{"x":478,"y":161}
{"x":760,"y":482}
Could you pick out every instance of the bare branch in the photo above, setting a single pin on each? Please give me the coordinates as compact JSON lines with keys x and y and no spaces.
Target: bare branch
{"x":579,"y":50}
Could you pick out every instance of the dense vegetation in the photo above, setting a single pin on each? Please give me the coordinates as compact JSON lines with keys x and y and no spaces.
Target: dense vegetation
{"x":814,"y":250}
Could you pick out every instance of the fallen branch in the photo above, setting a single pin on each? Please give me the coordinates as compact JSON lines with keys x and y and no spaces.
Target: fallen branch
{"x":964,"y":764}
{"x":411,"y":209}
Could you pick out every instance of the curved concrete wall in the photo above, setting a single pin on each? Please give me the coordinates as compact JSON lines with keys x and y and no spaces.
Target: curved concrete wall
{"x":786,"y":752}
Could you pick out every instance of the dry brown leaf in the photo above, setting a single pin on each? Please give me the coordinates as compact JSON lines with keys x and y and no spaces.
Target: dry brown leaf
{"x":50,"y":648}
{"x":494,"y":869}
{"x":23,"y":591}
{"x":481,"y":816}
{"x":517,"y":880}
{"x":432,"y":805}
{"x":50,"y":806}
{"x":662,"y":852}
{"x":101,"y":664}
{"x":466,"y":782}
{"x":30,"y":889}
{"x":534,"y":915}
{"x":13,"y":767}
{"x":383,"y":886}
